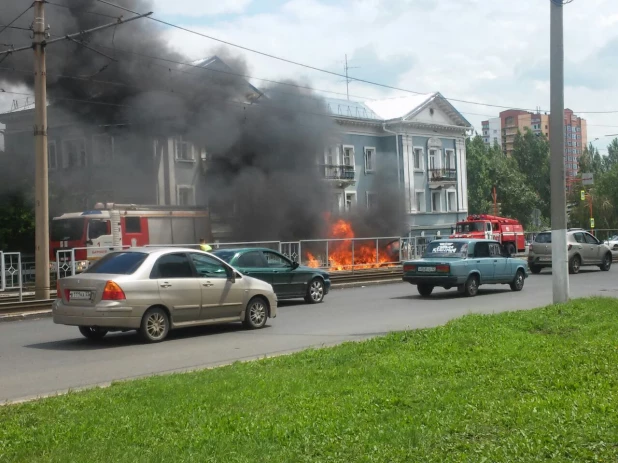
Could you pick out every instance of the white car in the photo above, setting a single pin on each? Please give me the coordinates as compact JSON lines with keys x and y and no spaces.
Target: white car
{"x":612,"y":242}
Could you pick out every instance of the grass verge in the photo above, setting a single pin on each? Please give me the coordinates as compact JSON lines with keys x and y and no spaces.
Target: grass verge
{"x":515,"y":387}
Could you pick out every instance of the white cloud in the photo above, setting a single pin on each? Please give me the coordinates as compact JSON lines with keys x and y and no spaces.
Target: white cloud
{"x":199,"y":7}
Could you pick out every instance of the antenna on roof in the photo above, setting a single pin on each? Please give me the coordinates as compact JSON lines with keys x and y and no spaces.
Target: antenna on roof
{"x":347,"y":79}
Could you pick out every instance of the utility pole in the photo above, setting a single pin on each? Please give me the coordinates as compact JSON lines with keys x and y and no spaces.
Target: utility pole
{"x":560,"y":271}
{"x":42,"y":270}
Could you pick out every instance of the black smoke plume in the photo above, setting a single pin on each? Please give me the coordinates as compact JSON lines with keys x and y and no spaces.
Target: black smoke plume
{"x":262,"y":151}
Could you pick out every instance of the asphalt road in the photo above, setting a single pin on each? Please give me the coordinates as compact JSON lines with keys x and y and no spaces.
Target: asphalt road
{"x":40,"y":358}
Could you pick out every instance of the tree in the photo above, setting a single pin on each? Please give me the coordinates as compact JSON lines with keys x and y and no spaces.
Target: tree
{"x":16,"y":222}
{"x":480,"y":184}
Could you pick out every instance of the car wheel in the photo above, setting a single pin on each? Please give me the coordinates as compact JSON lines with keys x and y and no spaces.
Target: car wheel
{"x":471,"y":288}
{"x":518,"y":282}
{"x":510,"y":247}
{"x":256,"y":314}
{"x":607,"y":262}
{"x":92,"y":332}
{"x":425,"y":290}
{"x":155,"y":325}
{"x":315,"y":291}
{"x":575,"y":264}
{"x":535,"y":269}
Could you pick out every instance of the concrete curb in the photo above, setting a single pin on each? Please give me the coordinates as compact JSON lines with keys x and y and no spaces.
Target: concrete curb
{"x":25,"y":316}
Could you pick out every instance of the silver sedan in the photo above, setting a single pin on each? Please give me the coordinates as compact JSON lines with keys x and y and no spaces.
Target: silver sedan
{"x":154,"y":290}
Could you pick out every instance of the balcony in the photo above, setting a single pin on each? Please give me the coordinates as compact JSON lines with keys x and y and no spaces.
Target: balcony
{"x":345,"y":175}
{"x":442,"y":176}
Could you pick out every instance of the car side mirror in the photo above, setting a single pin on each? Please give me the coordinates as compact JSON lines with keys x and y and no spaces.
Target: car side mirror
{"x":295,"y":265}
{"x":231,"y":275}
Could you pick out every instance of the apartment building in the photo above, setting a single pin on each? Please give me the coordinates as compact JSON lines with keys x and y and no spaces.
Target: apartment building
{"x":514,"y":120}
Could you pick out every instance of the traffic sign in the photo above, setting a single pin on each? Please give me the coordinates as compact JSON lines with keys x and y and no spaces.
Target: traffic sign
{"x":587,"y":179}
{"x":591,"y":222}
{"x":583,"y":194}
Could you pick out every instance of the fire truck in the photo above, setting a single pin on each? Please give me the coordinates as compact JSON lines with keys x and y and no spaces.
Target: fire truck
{"x":509,"y":232}
{"x":111,"y":226}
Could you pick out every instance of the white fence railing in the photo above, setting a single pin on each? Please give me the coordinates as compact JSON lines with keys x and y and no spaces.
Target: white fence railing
{"x":11,"y":278}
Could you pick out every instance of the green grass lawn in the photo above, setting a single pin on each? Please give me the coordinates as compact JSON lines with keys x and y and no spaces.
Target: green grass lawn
{"x":516,"y":387}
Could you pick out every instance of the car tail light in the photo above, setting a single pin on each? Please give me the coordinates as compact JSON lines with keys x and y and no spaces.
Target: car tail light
{"x":443,"y":268}
{"x":570,"y":246}
{"x":409,"y":268}
{"x":113,"y":292}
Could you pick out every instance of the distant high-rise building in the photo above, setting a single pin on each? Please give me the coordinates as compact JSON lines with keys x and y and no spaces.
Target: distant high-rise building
{"x":513,"y":120}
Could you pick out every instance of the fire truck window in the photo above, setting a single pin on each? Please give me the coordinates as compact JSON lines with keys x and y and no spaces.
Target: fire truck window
{"x":97,"y":228}
{"x":253,"y":259}
{"x":133,"y":225}
{"x":172,"y":266}
{"x":495,"y":226}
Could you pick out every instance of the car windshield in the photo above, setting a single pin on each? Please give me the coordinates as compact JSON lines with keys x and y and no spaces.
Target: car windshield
{"x":468,"y":227}
{"x":543,"y":238}
{"x":67,"y":229}
{"x":446,"y":249}
{"x":225,"y":255}
{"x":118,"y":263}
{"x":613,"y":238}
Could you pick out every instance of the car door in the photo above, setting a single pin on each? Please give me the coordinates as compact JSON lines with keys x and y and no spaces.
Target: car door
{"x":501,"y":270}
{"x":484,"y":262}
{"x":220,"y":297}
{"x":581,"y":246}
{"x":281,"y":271}
{"x":179,"y":289}
{"x":594,"y":249}
{"x":253,"y":264}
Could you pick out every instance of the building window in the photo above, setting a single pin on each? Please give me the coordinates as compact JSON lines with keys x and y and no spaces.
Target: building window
{"x":185,"y":195}
{"x":449,"y":159}
{"x":420,"y":201}
{"x":418,"y":158}
{"x":350,"y":201}
{"x":348,"y":156}
{"x":183,"y":150}
{"x":371,"y":200}
{"x":102,"y":149}
{"x":433,"y":159}
{"x":370,"y":160}
{"x":435,"y":201}
{"x":451,"y":198}
{"x":74,"y":154}
{"x":52,"y":157}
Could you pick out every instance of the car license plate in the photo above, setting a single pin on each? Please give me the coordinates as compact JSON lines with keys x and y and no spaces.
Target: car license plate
{"x":427,"y":269}
{"x":80,"y":295}
{"x":545,"y":259}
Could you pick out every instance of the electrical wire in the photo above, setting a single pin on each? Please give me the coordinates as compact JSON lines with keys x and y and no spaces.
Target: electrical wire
{"x":19,"y":16}
{"x":95,"y":13}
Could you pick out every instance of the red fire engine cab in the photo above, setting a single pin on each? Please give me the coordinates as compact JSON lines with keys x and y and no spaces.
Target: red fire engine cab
{"x":509,"y":232}
{"x":110,"y":226}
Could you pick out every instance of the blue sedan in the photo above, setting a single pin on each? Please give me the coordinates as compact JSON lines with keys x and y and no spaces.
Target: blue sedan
{"x":465,"y":264}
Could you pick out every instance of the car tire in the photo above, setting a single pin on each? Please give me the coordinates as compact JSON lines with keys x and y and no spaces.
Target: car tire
{"x":607,"y":262}
{"x":155,"y":325}
{"x":425,"y":290}
{"x":315,"y":291}
{"x":92,"y":332}
{"x":518,"y":282}
{"x":471,"y":288}
{"x":535,"y":269}
{"x":510,"y":247}
{"x":256,"y":314}
{"x":575,"y":264}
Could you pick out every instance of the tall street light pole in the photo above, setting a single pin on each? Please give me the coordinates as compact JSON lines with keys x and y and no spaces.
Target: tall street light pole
{"x":42,"y":270}
{"x":560,"y":271}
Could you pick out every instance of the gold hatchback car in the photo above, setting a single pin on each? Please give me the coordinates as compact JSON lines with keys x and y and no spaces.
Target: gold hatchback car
{"x":154,"y":290}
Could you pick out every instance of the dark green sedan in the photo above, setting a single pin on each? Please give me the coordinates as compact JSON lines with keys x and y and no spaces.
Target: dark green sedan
{"x":289,"y":279}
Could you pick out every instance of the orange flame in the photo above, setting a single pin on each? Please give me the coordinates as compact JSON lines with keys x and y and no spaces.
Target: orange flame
{"x":346,"y":254}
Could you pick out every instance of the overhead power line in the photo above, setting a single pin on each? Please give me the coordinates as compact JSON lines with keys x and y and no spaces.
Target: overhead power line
{"x":94,"y":13}
{"x":16,"y":19}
